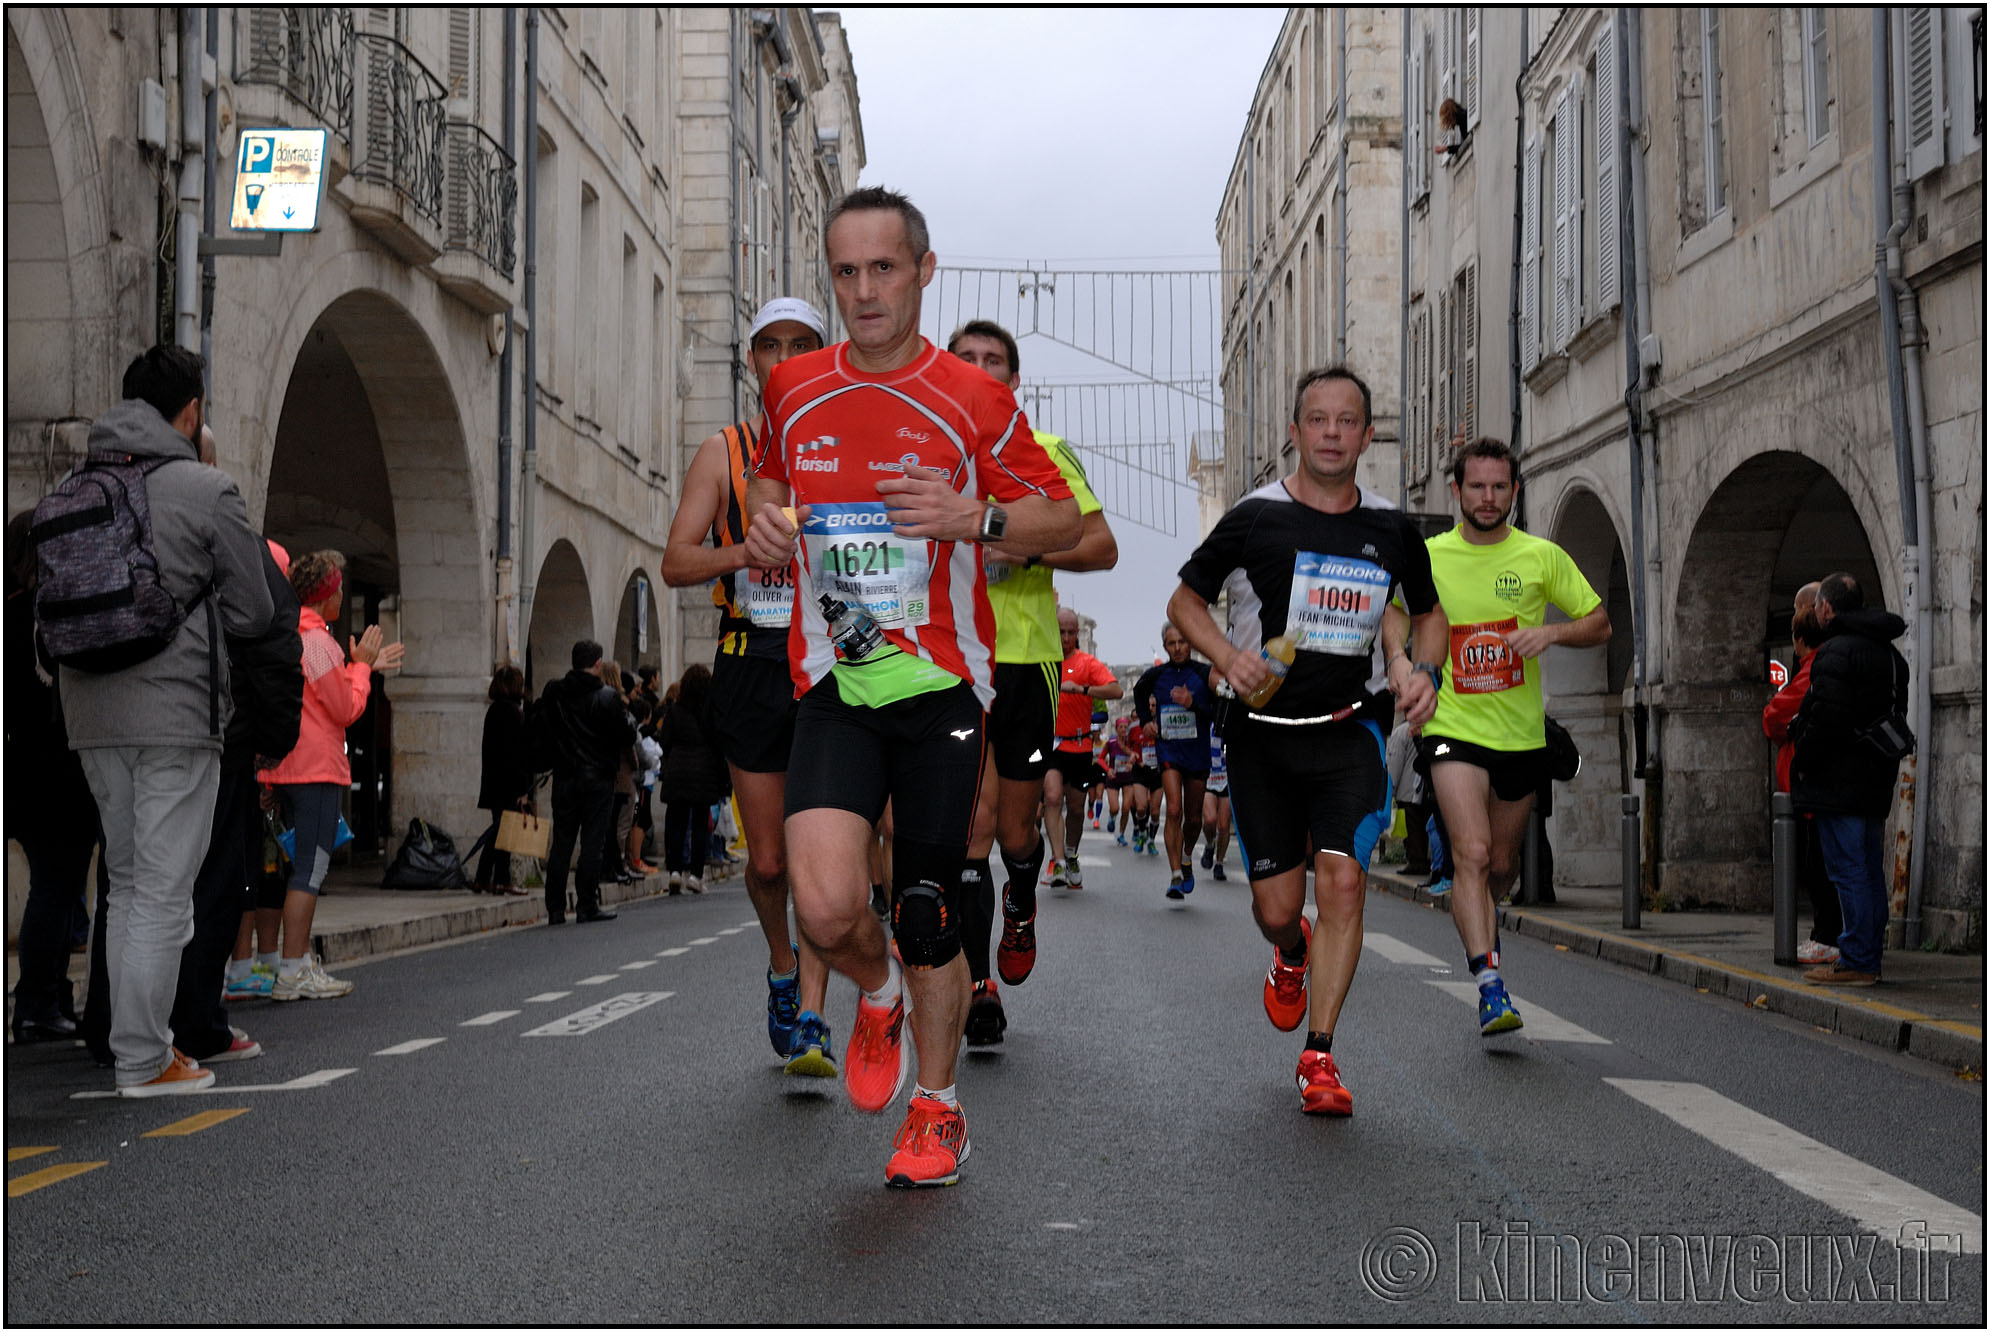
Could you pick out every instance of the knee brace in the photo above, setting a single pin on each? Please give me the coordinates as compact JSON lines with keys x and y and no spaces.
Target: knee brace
{"x":924,"y":921}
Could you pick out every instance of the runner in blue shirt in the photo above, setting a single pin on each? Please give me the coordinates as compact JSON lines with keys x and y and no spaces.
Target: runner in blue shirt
{"x":1174,"y":700}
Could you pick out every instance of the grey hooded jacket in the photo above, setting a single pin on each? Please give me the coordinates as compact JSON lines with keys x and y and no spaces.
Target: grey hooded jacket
{"x":201,"y":535}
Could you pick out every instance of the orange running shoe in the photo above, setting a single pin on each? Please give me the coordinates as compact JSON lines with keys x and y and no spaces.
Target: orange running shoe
{"x":874,"y":1060}
{"x":1285,"y":986}
{"x":929,"y":1147}
{"x":1320,"y":1092}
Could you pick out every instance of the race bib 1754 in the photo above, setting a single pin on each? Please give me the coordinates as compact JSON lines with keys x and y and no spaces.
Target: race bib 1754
{"x":1482,"y":662}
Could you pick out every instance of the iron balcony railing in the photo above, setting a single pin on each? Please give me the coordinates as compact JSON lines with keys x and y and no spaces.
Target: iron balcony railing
{"x":307,"y":52}
{"x":483,"y":197}
{"x":398,"y":118}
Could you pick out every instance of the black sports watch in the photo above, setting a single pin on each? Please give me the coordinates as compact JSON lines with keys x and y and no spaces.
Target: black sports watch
{"x":994,"y":522}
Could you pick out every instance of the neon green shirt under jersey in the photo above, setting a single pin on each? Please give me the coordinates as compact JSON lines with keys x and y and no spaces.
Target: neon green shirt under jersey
{"x":1025,"y":609}
{"x":1491,"y":697}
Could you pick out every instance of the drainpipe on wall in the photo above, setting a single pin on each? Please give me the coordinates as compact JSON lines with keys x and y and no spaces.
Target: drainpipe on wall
{"x":1513,"y":386}
{"x":1403,"y":334}
{"x":529,"y":452}
{"x":736,"y":366}
{"x":1634,"y":279}
{"x":186,"y":242}
{"x":506,"y":649}
{"x":1903,"y":335}
{"x":1340,"y":189}
{"x":207,"y":152}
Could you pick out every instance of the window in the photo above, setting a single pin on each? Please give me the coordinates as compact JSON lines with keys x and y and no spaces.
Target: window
{"x":1416,"y":121}
{"x":1816,"y":76}
{"x":586,"y":303}
{"x":1533,"y":209}
{"x":1462,"y":373}
{"x":1605,"y":136}
{"x":1938,"y":86}
{"x":1702,"y":146}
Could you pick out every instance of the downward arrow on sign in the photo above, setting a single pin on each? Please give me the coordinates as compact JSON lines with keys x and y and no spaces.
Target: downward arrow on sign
{"x":289,"y":212}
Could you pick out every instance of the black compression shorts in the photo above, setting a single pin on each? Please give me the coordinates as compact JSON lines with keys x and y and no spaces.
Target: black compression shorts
{"x":922,"y":753}
{"x":1023,"y":719}
{"x":1078,"y":770}
{"x":1145,"y":776}
{"x":1326,"y":784}
{"x":1516,"y":774}
{"x":753,"y":708}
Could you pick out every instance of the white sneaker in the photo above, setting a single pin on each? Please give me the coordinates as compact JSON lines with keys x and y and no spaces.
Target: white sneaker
{"x":695,"y":882}
{"x":1814,"y":954}
{"x":310,"y":982}
{"x":1074,"y":876}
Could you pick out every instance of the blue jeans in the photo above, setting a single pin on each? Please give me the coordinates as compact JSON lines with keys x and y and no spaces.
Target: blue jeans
{"x":1852,"y":848}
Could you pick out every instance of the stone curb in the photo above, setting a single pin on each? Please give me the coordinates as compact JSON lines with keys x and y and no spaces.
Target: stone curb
{"x":371,"y":941}
{"x":1955,"y":1044}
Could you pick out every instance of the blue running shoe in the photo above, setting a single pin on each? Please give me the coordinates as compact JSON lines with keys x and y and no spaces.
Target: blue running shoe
{"x":1188,"y":879}
{"x":783,"y":999}
{"x":1153,"y":846}
{"x":1121,"y":838}
{"x":1441,"y":887}
{"x":1496,"y":1011}
{"x":811,"y":1055}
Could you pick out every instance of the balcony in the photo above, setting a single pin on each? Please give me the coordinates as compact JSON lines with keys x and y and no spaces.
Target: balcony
{"x":397,"y":147}
{"x":306,"y":54}
{"x":480,"y":209}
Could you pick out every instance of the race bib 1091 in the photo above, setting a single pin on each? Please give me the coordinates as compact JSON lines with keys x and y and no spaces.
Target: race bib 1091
{"x":854,"y":557}
{"x":1336,"y":604}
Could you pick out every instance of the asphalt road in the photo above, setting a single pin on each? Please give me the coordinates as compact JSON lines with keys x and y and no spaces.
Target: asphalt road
{"x":1138,"y":1151}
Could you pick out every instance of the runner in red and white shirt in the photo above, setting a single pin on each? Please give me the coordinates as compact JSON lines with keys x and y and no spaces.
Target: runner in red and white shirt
{"x":890,"y":451}
{"x":1072,"y":768}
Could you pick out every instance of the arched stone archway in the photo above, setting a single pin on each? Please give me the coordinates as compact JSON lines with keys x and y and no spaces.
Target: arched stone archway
{"x":638,"y":630}
{"x":1584,"y":689}
{"x":562,"y":615}
{"x":370,"y":458}
{"x":60,"y":314}
{"x":1775,"y":522}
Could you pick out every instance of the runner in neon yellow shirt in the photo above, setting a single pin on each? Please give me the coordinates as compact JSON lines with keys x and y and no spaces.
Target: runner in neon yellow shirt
{"x":1485,"y":746}
{"x":1022,"y":729}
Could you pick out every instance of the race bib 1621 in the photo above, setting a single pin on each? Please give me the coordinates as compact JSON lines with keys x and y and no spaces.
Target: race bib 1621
{"x":854,"y":556}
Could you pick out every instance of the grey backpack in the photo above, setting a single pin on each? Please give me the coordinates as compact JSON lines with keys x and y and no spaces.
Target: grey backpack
{"x":99,"y":603}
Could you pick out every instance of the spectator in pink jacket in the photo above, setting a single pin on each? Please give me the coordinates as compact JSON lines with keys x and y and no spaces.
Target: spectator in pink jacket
{"x":314,"y":776}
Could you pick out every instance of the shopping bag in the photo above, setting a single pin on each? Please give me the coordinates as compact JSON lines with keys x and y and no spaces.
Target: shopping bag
{"x":287,"y":839}
{"x":524,"y":834}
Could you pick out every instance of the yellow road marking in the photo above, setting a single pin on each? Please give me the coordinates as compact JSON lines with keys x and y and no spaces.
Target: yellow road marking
{"x":23,"y":1153}
{"x":206,"y":1119}
{"x":41,"y":1179}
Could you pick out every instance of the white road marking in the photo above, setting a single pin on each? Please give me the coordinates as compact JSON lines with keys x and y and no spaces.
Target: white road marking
{"x":600,"y":1015}
{"x":597,"y":980}
{"x":490,"y":1019}
{"x":749,"y":924}
{"x":306,"y":1083}
{"x":1890,"y":1208}
{"x":673,"y":952}
{"x":1395,"y":950}
{"x":707,"y":939}
{"x":409,"y":1047}
{"x":734,"y":930}
{"x":637,"y":966}
{"x":1541,"y":1025}
{"x":1095,"y":862}
{"x":548,"y":997}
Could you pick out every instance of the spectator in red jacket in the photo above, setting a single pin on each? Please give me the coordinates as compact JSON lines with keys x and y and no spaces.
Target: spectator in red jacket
{"x":313,"y":776}
{"x":1827,"y":922}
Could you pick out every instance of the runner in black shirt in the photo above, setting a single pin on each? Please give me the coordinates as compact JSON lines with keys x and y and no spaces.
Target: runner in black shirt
{"x":1316,"y":558}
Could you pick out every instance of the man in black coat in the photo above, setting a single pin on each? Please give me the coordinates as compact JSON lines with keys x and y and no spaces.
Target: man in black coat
{"x":1847,"y":763}
{"x":583,"y":730}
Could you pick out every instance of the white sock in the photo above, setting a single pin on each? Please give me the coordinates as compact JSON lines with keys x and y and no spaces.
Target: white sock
{"x":945,"y":1096}
{"x":290,"y":966}
{"x":887,"y":994}
{"x":1488,"y":977}
{"x":239,"y":967}
{"x":268,"y":960}
{"x":788,"y":975}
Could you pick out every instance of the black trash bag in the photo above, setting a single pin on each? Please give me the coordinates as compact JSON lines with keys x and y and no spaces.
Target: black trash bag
{"x":427,"y":859}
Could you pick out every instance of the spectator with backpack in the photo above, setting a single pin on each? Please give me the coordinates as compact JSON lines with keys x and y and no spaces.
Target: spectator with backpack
{"x":314,"y":775}
{"x":580,"y":730}
{"x":142,"y":564}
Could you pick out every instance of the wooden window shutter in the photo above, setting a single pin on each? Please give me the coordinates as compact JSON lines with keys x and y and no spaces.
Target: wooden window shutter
{"x":1530,"y":257}
{"x":1609,"y":139}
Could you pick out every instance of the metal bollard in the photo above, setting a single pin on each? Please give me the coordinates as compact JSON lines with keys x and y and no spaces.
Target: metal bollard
{"x":1529,"y":891}
{"x":1784,"y":877}
{"x":1633,"y":864}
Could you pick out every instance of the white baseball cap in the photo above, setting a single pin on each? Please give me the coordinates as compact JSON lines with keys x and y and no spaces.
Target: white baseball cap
{"x":788,"y":309}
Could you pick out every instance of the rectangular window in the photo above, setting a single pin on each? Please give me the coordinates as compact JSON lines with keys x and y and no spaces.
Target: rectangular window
{"x":586,"y":303}
{"x":1716,"y":142}
{"x":1816,"y":76}
{"x":662,"y":372}
{"x":1591,"y":116}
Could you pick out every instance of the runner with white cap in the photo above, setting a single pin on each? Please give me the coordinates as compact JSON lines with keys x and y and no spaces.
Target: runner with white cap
{"x":753,"y":698}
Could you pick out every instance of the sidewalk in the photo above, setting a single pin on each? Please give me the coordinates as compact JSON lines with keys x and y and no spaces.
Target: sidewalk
{"x":1928,"y":1004}
{"x":357,"y":920}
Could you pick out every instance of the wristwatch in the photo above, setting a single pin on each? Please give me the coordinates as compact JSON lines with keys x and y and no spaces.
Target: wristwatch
{"x":994,"y":522}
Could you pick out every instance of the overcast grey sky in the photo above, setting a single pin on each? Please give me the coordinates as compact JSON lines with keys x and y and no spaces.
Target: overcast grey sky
{"x":1084,"y":138}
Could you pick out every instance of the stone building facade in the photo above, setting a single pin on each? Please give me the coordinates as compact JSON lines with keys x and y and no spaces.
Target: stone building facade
{"x":1733,"y":151}
{"x":1321,"y":149}
{"x":358,"y":388}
